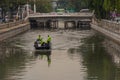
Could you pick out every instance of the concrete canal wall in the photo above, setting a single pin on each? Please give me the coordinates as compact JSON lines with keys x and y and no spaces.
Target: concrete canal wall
{"x":112,"y":41}
{"x":108,"y":28}
{"x":11,"y":29}
{"x":113,"y":49}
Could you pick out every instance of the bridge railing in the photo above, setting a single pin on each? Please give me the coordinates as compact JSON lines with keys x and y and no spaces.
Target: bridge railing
{"x":108,"y":25}
{"x":11,"y":24}
{"x":72,"y":14}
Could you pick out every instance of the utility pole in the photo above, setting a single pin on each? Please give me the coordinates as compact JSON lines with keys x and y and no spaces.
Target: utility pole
{"x":27,"y":9}
{"x":34,"y":6}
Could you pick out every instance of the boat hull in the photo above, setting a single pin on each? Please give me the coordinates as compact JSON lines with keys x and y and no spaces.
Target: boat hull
{"x":45,"y":46}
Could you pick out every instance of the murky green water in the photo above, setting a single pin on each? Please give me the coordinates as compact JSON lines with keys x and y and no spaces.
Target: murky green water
{"x":75,"y":55}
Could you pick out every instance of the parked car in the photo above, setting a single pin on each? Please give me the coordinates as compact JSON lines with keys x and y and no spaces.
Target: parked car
{"x":84,"y":10}
{"x":117,"y":19}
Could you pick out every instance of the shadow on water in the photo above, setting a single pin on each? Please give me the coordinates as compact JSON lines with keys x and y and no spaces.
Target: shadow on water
{"x":98,"y":62}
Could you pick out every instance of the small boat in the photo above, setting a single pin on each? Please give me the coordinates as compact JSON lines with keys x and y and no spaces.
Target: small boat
{"x":45,"y":46}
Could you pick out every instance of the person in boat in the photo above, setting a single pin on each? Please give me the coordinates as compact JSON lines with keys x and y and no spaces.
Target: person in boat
{"x":49,"y":39}
{"x":39,"y":38}
{"x":42,"y":42}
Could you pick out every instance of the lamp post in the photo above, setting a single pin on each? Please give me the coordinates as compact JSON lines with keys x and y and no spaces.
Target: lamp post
{"x":27,"y":5}
{"x":34,"y":6}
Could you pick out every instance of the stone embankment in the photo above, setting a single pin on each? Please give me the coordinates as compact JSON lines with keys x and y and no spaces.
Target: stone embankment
{"x":11,"y":29}
{"x":110,"y":29}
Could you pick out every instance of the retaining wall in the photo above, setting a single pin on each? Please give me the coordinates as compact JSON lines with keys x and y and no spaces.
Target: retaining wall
{"x":111,"y":30}
{"x":113,"y":49}
{"x":11,"y":29}
{"x":108,"y":28}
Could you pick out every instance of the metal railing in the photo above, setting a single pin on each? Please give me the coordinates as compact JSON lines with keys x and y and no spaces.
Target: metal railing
{"x":73,"y":14}
{"x":12,"y":24}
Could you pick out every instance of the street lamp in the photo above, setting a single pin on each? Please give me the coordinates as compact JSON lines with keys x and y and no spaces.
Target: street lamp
{"x":27,"y":5}
{"x":34,"y":6}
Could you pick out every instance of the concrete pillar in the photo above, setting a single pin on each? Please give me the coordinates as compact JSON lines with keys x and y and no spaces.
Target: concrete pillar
{"x":54,"y":24}
{"x":74,"y":24}
{"x":57,"y":23}
{"x":79,"y":24}
{"x":44,"y":23}
{"x":66,"y":24}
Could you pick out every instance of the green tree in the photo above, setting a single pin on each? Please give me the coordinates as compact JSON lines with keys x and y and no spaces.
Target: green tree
{"x":44,"y":5}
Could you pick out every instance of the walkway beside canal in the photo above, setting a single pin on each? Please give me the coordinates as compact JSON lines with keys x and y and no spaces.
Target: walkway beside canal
{"x":109,"y":28}
{"x":13,"y":28}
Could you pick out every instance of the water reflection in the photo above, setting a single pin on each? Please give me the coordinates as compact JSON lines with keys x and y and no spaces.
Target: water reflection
{"x":113,"y":49}
{"x":6,"y":52}
{"x":42,"y":54}
{"x":72,"y":58}
{"x":98,"y":62}
{"x":11,"y":63}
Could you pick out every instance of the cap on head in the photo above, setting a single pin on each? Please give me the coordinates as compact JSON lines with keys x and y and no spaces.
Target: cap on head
{"x":39,"y":35}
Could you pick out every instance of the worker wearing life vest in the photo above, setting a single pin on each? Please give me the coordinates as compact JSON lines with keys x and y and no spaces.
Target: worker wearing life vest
{"x":42,"y":42}
{"x":39,"y":38}
{"x":48,"y":39}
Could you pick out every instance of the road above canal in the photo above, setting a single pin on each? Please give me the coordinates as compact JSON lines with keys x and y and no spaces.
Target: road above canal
{"x":75,"y":55}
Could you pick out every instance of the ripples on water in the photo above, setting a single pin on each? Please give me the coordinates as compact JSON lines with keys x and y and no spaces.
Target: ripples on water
{"x":75,"y":55}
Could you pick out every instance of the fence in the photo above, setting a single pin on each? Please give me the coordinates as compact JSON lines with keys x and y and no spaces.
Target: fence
{"x":12,"y":24}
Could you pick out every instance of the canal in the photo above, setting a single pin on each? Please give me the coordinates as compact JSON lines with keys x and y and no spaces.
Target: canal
{"x":75,"y":55}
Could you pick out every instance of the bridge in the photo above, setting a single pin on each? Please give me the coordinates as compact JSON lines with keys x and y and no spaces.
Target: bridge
{"x":77,"y":20}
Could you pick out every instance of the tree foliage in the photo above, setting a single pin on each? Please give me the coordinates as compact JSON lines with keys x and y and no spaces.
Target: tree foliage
{"x":102,"y":7}
{"x":42,"y":5}
{"x":75,"y":4}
